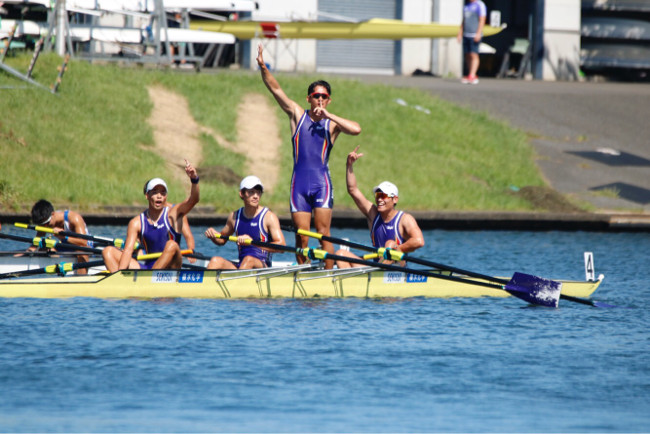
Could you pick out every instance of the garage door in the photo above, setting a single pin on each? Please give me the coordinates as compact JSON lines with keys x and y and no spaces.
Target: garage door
{"x":358,"y":55}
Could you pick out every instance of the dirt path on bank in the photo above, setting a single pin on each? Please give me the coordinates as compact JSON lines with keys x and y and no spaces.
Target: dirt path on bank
{"x":176,"y":136}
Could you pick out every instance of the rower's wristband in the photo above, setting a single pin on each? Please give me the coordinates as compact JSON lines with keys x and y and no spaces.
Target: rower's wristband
{"x":195,"y":180}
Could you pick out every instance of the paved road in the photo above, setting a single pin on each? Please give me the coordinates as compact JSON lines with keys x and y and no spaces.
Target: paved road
{"x":570,"y":122}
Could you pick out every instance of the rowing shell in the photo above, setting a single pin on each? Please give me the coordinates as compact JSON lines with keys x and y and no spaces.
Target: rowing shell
{"x":376,"y":28}
{"x":297,"y":281}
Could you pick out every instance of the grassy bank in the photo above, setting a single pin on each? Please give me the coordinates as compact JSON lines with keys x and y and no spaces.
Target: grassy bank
{"x":90,"y":145}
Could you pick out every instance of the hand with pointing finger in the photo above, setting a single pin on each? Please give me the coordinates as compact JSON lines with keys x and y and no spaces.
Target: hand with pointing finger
{"x":190,"y":170}
{"x":354,"y":156}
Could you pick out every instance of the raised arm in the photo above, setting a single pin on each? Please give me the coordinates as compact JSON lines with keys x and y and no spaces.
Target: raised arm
{"x":365,"y":206}
{"x":178,"y":211}
{"x":290,"y":107}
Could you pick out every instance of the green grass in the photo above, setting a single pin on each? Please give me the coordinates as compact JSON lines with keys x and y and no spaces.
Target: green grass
{"x":91,"y":145}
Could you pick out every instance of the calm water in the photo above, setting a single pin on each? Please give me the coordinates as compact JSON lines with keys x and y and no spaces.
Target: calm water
{"x":450,"y":365}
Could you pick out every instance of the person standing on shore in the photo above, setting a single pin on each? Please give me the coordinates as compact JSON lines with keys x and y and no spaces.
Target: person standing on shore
{"x":471,"y":33}
{"x":389,"y":227}
{"x":313,"y":133}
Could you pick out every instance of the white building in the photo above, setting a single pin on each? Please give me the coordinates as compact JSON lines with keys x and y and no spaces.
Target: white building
{"x":555,"y":22}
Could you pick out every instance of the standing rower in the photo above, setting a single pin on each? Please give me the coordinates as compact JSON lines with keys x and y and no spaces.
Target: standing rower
{"x":313,"y":133}
{"x":158,"y":229}
{"x":251,"y":222}
{"x":389,"y":227}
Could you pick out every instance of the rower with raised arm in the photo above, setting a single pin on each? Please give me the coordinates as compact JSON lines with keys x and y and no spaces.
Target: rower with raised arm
{"x":158,"y":229}
{"x":313,"y":133}
{"x":43,"y":214}
{"x":389,"y":227}
{"x":250,"y":222}
{"x":187,"y":231}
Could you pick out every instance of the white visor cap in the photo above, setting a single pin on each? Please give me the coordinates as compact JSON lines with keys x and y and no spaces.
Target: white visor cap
{"x":251,"y":182}
{"x":387,"y":187}
{"x":154,"y":182}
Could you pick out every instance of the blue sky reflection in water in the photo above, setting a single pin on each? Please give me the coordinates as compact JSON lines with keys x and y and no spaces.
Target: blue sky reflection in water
{"x":390,"y":365}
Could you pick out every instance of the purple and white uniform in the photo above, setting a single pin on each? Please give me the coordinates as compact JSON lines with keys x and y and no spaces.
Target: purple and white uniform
{"x":382,"y":232}
{"x":68,"y":228}
{"x":254,"y":228}
{"x":311,"y":184}
{"x":154,"y":236}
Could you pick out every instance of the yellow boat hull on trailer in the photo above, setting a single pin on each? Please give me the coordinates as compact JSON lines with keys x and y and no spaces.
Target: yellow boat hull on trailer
{"x":375,"y":28}
{"x":287,"y":282}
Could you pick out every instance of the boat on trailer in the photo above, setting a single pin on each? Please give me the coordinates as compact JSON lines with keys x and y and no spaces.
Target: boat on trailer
{"x":293,"y":281}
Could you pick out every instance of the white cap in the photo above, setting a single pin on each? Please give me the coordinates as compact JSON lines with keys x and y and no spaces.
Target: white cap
{"x":387,"y":187}
{"x":153,"y":183}
{"x":250,"y":182}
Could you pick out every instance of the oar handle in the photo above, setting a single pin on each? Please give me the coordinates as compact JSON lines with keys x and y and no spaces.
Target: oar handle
{"x":148,"y":256}
{"x":250,"y":241}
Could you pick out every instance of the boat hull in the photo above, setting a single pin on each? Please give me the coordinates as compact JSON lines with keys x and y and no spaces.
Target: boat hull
{"x":372,"y":29}
{"x":292,"y":282}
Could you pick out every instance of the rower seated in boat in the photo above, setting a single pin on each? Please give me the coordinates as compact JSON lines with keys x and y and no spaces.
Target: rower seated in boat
{"x":389,"y":227}
{"x":43,"y":214}
{"x":250,"y":222}
{"x":158,"y":229}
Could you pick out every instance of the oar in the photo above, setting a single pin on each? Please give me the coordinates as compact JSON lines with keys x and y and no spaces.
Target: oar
{"x":395,"y":255}
{"x":529,"y":288}
{"x":105,"y":241}
{"x":50,"y":243}
{"x":64,"y":267}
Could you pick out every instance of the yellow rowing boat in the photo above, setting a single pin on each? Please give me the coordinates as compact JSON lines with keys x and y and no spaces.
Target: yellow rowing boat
{"x":376,"y":28}
{"x":296,"y":281}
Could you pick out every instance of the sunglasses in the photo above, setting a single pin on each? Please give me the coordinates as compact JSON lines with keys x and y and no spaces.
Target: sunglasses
{"x":382,"y":195}
{"x":319,"y":95}
{"x":252,"y":191}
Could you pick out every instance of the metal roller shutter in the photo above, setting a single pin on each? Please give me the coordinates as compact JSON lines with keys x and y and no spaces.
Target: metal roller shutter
{"x":357,"y":55}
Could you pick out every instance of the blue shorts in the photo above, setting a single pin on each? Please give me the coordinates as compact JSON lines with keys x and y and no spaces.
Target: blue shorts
{"x":470,"y":45}
{"x":306,"y":196}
